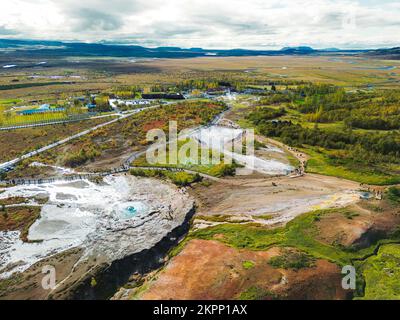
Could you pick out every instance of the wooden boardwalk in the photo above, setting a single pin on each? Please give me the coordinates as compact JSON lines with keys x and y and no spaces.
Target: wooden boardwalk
{"x":88,"y":176}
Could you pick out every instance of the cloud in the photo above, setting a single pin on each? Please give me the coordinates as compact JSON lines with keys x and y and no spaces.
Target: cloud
{"x":85,"y":19}
{"x":208,"y":23}
{"x":7,"y":32}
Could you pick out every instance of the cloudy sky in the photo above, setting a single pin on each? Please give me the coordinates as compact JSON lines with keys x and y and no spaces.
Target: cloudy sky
{"x":221,"y":24}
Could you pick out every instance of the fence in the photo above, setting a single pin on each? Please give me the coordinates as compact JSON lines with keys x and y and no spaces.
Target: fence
{"x":69,"y":178}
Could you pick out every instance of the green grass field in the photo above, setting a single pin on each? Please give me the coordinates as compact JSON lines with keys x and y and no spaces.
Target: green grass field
{"x":15,"y":120}
{"x":382,"y":274}
{"x":191,"y":163}
{"x":319,"y":163}
{"x":9,"y":102}
{"x":299,"y":233}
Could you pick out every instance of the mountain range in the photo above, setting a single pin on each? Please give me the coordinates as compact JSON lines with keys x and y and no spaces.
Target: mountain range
{"x":43,"y":48}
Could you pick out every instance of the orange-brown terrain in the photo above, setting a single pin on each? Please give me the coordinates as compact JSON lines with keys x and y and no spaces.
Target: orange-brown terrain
{"x":222,"y":266}
{"x":360,"y":226}
{"x":211,"y":270}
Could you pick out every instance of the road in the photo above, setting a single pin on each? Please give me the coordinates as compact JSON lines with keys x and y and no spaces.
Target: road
{"x":189,"y":132}
{"x":12,"y":163}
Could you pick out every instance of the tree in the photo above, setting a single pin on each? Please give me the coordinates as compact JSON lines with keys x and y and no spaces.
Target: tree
{"x":93,"y":282}
{"x":4,"y":210}
{"x":2,"y":118}
{"x":103,"y":104}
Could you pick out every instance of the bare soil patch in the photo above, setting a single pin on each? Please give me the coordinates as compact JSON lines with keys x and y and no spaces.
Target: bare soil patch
{"x":360,"y":225}
{"x":211,"y":270}
{"x":28,"y":285}
{"x":261,"y":196}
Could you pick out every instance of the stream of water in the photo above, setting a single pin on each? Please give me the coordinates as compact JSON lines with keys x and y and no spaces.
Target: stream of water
{"x":220,"y":138}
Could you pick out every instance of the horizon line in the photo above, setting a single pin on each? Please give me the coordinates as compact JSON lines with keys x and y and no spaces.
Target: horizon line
{"x":261,"y":48}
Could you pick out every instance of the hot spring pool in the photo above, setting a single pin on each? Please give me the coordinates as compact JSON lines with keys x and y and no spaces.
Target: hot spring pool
{"x":129,"y":210}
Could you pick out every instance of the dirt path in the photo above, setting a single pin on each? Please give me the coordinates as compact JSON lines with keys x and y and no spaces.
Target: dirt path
{"x":281,"y":198}
{"x":300,"y":156}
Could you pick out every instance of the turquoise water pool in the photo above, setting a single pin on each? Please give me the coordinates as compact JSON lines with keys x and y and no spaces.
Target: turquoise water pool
{"x":129,"y":210}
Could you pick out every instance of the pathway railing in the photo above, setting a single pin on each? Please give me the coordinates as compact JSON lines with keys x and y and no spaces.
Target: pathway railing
{"x":67,"y":178}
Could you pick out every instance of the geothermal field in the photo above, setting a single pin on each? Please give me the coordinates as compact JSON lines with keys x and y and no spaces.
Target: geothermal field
{"x":113,"y":219}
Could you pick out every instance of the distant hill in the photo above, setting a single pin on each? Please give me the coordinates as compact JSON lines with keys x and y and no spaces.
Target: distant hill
{"x":392,"y":53}
{"x":38,"y":48}
{"x":330,"y":50}
{"x":298,"y":50}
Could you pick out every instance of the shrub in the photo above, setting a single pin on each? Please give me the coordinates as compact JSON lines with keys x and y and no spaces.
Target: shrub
{"x":181,"y":179}
{"x":223,"y":170}
{"x":394,"y":194}
{"x":81,"y":157}
{"x":248,"y":264}
{"x":256,"y":293}
{"x":93,"y":282}
{"x":292,"y":260}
